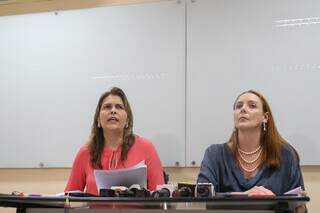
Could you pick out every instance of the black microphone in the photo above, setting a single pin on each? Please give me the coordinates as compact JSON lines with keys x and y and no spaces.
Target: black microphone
{"x":184,"y":191}
{"x":204,"y":190}
{"x":107,"y":193}
{"x":138,"y":191}
{"x":163,"y":192}
{"x":126,"y":193}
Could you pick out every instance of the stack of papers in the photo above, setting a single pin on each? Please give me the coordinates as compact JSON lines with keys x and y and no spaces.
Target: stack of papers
{"x":137,"y":174}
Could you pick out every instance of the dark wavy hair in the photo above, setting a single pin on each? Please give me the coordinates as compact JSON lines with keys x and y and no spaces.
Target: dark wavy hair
{"x":96,"y":139}
{"x":270,"y":140}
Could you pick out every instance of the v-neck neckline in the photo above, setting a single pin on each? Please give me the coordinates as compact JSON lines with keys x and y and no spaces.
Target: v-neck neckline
{"x":246,"y":183}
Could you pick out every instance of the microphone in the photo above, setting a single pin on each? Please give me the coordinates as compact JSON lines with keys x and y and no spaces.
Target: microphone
{"x":116,"y":191}
{"x":107,"y":193}
{"x":138,"y":191}
{"x":122,"y":191}
{"x":163,"y":192}
{"x":204,"y":190}
{"x":166,"y":187}
{"x":184,"y":191}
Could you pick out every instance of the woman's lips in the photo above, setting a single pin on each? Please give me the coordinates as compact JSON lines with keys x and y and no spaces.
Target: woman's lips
{"x":113,"y":119}
{"x":243,"y":119}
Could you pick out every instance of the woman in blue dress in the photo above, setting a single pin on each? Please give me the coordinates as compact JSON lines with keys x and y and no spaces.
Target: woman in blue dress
{"x":256,"y":159}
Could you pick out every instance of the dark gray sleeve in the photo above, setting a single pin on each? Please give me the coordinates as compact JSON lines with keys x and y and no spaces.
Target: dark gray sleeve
{"x":208,"y":173}
{"x":295,"y":176}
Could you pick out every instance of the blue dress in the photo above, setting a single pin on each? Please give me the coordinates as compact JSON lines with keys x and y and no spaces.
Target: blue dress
{"x":219,"y":168}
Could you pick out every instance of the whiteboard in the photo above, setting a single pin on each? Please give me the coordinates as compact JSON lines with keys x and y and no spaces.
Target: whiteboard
{"x":269,"y":46}
{"x":55,"y":66}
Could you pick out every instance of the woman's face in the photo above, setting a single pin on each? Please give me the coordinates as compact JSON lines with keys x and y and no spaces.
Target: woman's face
{"x":112,"y":116}
{"x":248,"y":112}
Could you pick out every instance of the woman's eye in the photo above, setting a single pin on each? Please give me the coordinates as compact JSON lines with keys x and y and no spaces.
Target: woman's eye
{"x":119,"y":106}
{"x":252,"y":106}
{"x":107,"y":107}
{"x":238,"y":106}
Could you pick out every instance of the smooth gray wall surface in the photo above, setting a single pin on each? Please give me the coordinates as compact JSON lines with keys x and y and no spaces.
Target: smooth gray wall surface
{"x":55,"y":66}
{"x":269,"y":46}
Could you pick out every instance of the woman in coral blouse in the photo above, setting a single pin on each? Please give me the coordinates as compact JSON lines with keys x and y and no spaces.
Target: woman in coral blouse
{"x":112,"y":145}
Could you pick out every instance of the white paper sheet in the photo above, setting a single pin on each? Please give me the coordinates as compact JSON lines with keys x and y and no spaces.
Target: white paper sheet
{"x":137,"y":174}
{"x":295,"y":191}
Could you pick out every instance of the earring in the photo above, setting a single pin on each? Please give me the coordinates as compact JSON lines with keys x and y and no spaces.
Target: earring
{"x":127,"y":126}
{"x":264,"y":125}
{"x":99,"y":126}
{"x":234,"y":129}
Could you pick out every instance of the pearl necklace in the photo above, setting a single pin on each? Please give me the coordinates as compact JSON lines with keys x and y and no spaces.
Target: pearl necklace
{"x":249,"y":153}
{"x":250,"y":167}
{"x":250,"y":161}
{"x":248,"y":170}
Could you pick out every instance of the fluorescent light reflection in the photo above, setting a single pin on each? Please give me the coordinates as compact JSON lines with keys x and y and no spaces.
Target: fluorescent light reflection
{"x":296,"y":22}
{"x":126,"y":77}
